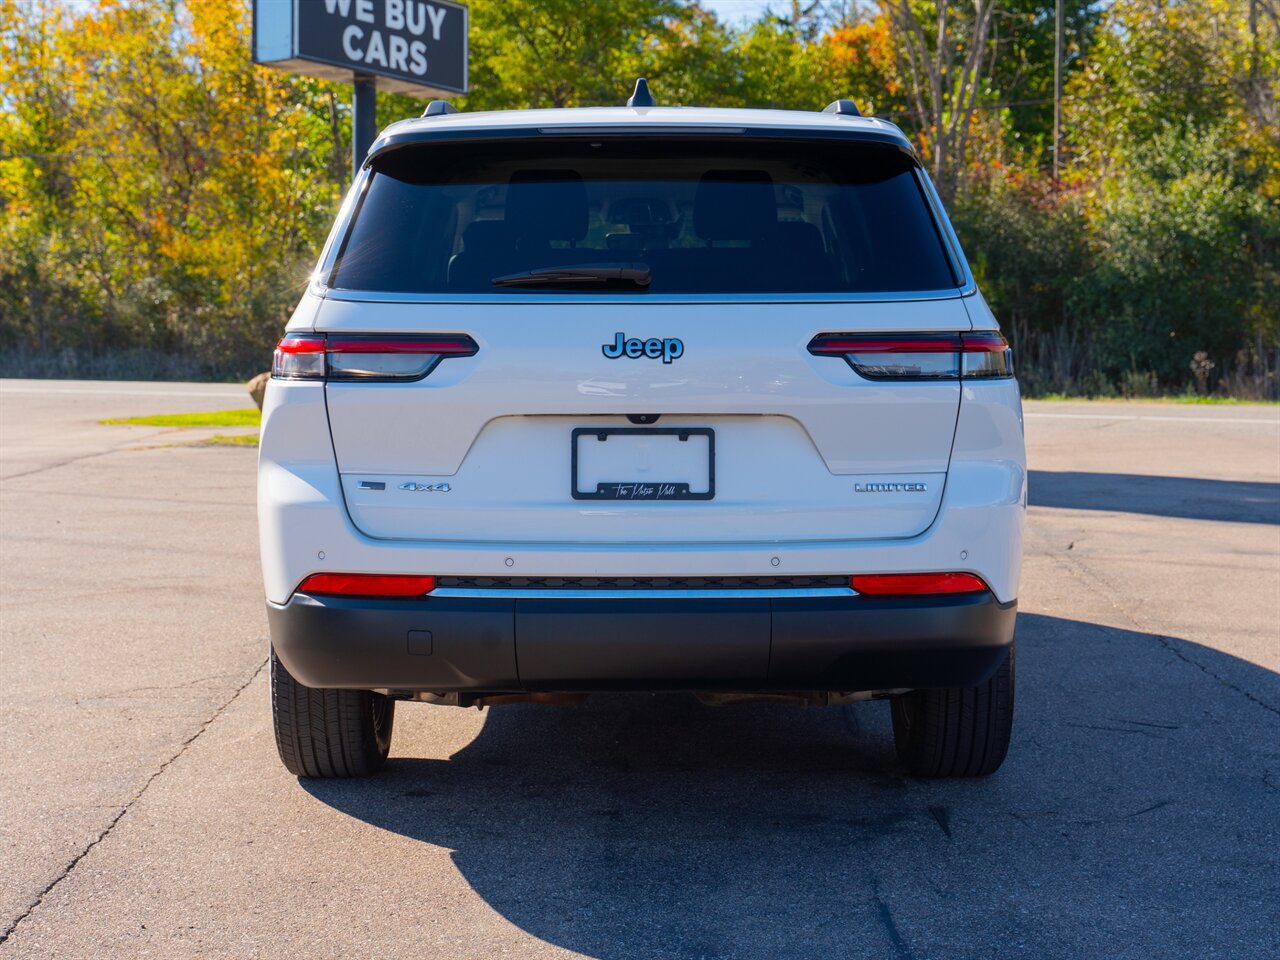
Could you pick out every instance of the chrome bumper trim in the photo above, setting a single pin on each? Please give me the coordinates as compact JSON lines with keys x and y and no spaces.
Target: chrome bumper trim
{"x":500,"y":593}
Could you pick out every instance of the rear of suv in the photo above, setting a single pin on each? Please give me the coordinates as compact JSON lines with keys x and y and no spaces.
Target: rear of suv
{"x":642,"y":398}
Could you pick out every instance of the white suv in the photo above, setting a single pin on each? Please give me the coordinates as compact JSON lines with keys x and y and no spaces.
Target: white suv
{"x":642,"y":398}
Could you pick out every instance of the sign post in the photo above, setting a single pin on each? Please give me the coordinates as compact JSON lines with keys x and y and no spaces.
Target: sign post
{"x":364,"y":118}
{"x":402,"y":46}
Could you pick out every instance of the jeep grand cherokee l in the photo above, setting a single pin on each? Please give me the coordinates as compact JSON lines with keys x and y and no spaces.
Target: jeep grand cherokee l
{"x":642,"y":398}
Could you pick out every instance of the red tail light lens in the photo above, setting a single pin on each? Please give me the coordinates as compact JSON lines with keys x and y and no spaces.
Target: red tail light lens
{"x":311,"y":356}
{"x":915,"y":584}
{"x":985,"y":355}
{"x":299,"y":356}
{"x":947,"y":356}
{"x":366,"y":585}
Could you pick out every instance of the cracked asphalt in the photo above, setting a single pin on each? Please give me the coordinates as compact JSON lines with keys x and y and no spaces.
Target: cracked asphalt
{"x":143,"y":812}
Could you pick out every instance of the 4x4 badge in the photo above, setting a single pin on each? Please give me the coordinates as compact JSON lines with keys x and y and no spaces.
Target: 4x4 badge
{"x":424,"y":487}
{"x":668,"y":348}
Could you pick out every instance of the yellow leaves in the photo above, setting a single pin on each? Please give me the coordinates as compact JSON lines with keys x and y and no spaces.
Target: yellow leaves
{"x":867,"y":43}
{"x":176,"y":175}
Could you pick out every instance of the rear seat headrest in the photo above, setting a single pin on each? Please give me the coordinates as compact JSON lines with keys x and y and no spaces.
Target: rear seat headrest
{"x":734,"y":205}
{"x":546,"y":205}
{"x":484,"y":235}
{"x":800,"y":238}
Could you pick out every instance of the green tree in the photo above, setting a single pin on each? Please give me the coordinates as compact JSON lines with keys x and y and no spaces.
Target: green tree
{"x":1192,"y":65}
{"x":158,"y":190}
{"x":1021,"y":73}
{"x":1183,"y":246}
{"x":558,"y":53}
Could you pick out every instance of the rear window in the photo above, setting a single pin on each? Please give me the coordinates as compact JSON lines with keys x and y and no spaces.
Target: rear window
{"x":694,"y":216}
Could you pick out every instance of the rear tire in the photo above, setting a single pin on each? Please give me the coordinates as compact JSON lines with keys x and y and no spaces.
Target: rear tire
{"x":328,"y":733}
{"x":956,"y":731}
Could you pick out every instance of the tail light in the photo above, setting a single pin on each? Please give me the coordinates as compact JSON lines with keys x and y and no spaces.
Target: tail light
{"x":950,"y":356}
{"x":318,"y":356}
{"x":915,"y":584}
{"x":366,"y":585}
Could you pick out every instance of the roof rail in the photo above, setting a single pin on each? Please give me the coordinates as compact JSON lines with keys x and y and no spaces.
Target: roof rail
{"x":641,"y":97}
{"x":439,"y":108}
{"x":845,"y":108}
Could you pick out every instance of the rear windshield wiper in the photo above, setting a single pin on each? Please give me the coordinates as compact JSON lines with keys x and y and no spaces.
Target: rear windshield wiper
{"x":603,"y":274}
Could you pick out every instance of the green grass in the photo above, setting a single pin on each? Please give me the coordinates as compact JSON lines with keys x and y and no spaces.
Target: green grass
{"x":237,"y":440}
{"x":217,"y":418}
{"x":1219,"y":401}
{"x":1176,"y":398}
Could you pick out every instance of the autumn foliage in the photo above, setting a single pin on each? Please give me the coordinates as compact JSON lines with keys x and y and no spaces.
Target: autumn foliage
{"x":162,"y":199}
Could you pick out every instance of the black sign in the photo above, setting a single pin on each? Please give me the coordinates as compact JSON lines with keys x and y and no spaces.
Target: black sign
{"x":406,"y":43}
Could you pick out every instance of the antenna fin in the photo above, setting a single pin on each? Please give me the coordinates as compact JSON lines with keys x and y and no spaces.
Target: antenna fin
{"x":846,"y":108}
{"x":641,"y":97}
{"x":439,"y":108}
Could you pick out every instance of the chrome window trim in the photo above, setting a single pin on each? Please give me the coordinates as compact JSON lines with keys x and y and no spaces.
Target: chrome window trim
{"x":513,"y":593}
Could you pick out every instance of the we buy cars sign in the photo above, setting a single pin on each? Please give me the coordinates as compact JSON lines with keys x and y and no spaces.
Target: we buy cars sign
{"x":411,"y":46}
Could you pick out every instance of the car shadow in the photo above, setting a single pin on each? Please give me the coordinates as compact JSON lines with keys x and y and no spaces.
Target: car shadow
{"x":1130,"y":820}
{"x":1186,"y":497}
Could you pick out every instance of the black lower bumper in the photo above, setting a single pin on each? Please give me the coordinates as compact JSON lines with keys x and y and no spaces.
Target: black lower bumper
{"x":446,"y":644}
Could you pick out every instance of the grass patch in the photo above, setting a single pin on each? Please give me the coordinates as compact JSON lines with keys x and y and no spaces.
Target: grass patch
{"x":251,"y":417}
{"x":235,"y":440}
{"x":1221,"y":401}
{"x":1175,"y":398}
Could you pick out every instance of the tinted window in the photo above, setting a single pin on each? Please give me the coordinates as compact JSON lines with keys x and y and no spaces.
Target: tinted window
{"x":704,"y":215}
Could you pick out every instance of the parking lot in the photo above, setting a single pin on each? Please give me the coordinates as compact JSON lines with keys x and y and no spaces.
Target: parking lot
{"x":144,"y":813}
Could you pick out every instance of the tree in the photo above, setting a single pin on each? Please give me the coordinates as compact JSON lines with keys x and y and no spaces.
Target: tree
{"x":1193,"y":65}
{"x":158,"y":191}
{"x":1020,"y":72}
{"x":156,"y":185}
{"x":943,"y":51}
{"x":862,"y":64}
{"x":1182,"y":245}
{"x":558,"y":53}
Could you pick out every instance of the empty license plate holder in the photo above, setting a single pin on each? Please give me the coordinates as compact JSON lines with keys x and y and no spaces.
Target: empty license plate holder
{"x":597,"y":464}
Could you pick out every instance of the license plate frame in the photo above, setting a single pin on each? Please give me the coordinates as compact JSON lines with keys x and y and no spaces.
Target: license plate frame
{"x":643,"y":491}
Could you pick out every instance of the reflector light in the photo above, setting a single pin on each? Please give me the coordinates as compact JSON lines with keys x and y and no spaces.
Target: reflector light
{"x":366,"y":585}
{"x":914,"y":584}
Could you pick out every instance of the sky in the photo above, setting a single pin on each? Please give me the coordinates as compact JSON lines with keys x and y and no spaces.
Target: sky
{"x":733,"y":12}
{"x":729,"y":11}
{"x":736,"y":11}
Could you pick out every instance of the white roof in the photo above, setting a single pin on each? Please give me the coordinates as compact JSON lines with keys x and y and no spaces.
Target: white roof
{"x":641,"y":117}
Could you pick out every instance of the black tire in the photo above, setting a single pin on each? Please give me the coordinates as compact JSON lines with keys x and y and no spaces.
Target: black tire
{"x":329,"y":733}
{"x":956,"y":731}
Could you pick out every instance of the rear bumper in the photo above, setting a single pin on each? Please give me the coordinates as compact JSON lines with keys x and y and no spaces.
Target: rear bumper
{"x":481,"y":644}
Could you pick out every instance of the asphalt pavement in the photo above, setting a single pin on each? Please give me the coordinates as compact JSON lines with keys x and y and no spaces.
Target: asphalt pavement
{"x":144,"y":813}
